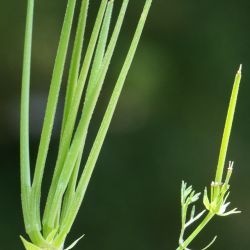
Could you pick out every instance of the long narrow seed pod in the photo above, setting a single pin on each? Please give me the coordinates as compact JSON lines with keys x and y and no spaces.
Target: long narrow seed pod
{"x":50,"y":113}
{"x":100,"y":50}
{"x":24,"y":122}
{"x":82,"y":128}
{"x":70,"y":123}
{"x":68,"y":184}
{"x":75,"y":61}
{"x":218,"y":202}
{"x":228,"y":127}
{"x":95,"y":151}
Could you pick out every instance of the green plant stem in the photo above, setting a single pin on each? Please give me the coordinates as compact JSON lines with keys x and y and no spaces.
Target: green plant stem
{"x":196,"y":231}
{"x":183,"y":221}
{"x":228,"y":128}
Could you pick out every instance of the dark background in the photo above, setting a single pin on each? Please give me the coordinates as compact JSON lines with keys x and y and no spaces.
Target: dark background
{"x":167,"y":127}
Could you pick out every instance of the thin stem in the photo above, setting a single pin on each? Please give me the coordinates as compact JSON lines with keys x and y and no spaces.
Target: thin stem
{"x":196,"y":231}
{"x":183,"y":221}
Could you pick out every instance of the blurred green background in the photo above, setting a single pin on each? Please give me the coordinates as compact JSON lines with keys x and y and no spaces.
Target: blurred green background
{"x":167,"y":127}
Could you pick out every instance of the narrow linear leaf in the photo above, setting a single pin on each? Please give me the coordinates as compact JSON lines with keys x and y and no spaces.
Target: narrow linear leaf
{"x":74,"y":243}
{"x":210,"y":244}
{"x":28,"y":245}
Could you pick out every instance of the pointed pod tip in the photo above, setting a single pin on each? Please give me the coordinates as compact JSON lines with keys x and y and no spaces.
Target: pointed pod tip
{"x":240,"y":69}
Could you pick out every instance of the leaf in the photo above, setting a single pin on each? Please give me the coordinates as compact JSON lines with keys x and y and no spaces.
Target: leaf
{"x":233,"y":211}
{"x":210,"y":244}
{"x":28,"y":245}
{"x":192,"y":212}
{"x":195,"y":197}
{"x":74,"y":243}
{"x":206,"y":200}
{"x":187,"y":192}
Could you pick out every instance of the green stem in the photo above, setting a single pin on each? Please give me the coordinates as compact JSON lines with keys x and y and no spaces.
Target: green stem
{"x":196,"y":231}
{"x":183,"y":221}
